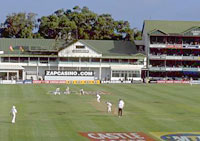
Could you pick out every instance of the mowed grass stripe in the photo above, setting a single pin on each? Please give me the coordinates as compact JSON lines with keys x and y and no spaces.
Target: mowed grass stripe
{"x":148,"y":108}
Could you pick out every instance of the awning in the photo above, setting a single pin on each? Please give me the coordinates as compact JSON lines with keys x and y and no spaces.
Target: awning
{"x":126,"y":68}
{"x":11,"y":67}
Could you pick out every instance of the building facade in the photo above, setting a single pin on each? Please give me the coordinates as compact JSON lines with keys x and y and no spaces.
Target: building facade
{"x":44,"y":59}
{"x":173,"y":49}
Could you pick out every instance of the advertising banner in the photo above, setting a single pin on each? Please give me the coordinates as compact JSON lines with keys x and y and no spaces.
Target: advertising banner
{"x":177,"y":136}
{"x":175,"y":46}
{"x":173,"y":81}
{"x":116,"y":136}
{"x":191,"y":46}
{"x":66,"y":81}
{"x":68,"y":73}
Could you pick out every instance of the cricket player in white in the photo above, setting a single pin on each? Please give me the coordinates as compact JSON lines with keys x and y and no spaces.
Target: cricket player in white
{"x":120,"y":107}
{"x":57,"y":91}
{"x":109,"y":106}
{"x":191,"y":79}
{"x":67,"y":91}
{"x":98,"y":98}
{"x":82,"y":92}
{"x":13,"y":113}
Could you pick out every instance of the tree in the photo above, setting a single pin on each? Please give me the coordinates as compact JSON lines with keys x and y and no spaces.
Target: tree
{"x":19,"y":25}
{"x":81,"y":23}
{"x":56,"y":26}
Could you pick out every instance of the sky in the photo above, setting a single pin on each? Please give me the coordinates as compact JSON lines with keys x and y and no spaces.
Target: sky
{"x":134,"y":11}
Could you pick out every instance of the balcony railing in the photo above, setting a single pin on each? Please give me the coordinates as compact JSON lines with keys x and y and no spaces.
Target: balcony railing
{"x":173,"y":57}
{"x":180,"y":68}
{"x":186,"y":46}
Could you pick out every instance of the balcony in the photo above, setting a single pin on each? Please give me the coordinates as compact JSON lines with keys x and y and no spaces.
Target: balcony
{"x":154,"y":68}
{"x":173,"y":57}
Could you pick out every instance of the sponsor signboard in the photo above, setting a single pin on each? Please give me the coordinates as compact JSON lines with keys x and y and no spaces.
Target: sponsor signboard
{"x":19,"y":82}
{"x":28,"y":81}
{"x":157,"y":45}
{"x":66,"y":81}
{"x":117,"y":136}
{"x":191,"y":46}
{"x":68,"y":73}
{"x":174,"y":69}
{"x":116,"y":82}
{"x":175,"y":46}
{"x":173,"y":81}
{"x":177,"y":136}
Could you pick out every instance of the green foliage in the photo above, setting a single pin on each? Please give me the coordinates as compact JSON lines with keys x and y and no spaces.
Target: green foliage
{"x":19,"y":25}
{"x":81,"y":23}
{"x":71,"y":24}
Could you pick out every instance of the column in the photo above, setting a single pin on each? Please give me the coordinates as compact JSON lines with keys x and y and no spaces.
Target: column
{"x":7,"y":75}
{"x":23,"y":75}
{"x":18,"y":75}
{"x":49,"y":65}
{"x":100,"y":73}
{"x":37,"y":68}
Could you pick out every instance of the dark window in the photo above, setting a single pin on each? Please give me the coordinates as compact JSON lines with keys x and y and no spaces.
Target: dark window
{"x":80,"y":47}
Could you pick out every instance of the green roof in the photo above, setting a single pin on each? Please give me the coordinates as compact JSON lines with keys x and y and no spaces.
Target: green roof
{"x":112,"y":48}
{"x":27,"y":45}
{"x":35,"y":47}
{"x":169,"y":27}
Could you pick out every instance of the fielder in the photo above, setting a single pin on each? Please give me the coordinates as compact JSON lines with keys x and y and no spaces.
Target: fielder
{"x":191,"y":81}
{"x":67,"y":91}
{"x":109,"y":106}
{"x":120,"y":107}
{"x":13,"y":113}
{"x":98,"y":98}
{"x":57,"y":91}
{"x":82,"y":92}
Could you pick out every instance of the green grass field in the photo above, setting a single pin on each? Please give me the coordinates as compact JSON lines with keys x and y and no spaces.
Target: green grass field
{"x":148,"y":108}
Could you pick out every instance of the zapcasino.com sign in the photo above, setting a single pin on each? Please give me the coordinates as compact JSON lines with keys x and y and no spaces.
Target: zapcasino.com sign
{"x":68,"y":73}
{"x":116,"y":136}
{"x":177,"y":136}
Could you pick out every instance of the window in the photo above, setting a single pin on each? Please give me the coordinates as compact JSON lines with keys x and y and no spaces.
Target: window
{"x":114,"y":60}
{"x":43,"y":60}
{"x":95,"y":60}
{"x":23,"y":59}
{"x":52,"y":59}
{"x":33,"y":59}
{"x":105,"y":60}
{"x":126,"y":74}
{"x":64,"y":59}
{"x":80,"y":47}
{"x":14,"y":59}
{"x":73,"y":59}
{"x":84,"y":59}
{"x":4,"y":59}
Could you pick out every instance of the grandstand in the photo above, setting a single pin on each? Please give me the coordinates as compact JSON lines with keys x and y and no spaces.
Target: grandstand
{"x":173,"y":49}
{"x":23,"y":59}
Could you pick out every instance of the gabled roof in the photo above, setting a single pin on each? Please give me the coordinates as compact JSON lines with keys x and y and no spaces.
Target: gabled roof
{"x":108,"y":48}
{"x":112,"y":48}
{"x":157,"y":31}
{"x":169,"y":27}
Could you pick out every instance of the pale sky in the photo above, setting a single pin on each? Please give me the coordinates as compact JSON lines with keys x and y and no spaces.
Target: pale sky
{"x":134,"y":11}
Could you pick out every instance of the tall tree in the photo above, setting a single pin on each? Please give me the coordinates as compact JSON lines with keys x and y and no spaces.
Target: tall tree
{"x":81,"y":23}
{"x":19,"y":25}
{"x":57,"y":25}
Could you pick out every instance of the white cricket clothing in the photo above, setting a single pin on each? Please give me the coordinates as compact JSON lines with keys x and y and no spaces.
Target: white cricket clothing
{"x":13,"y":112}
{"x":109,"y":106}
{"x":57,"y":91}
{"x":121,"y":104}
{"x":67,"y":91}
{"x":98,"y":98}
{"x":81,"y":92}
